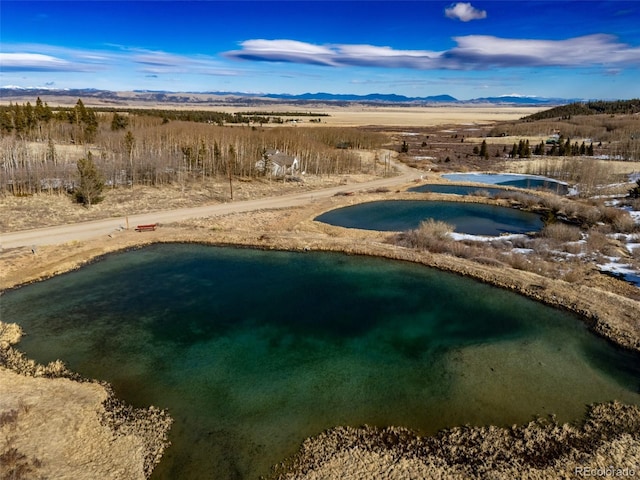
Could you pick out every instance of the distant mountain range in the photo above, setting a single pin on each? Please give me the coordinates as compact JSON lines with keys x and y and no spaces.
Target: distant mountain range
{"x":108,"y":97}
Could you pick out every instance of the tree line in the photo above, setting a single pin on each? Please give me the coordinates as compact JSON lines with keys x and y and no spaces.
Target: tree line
{"x":28,"y":122}
{"x":41,"y":148}
{"x":565,"y":112}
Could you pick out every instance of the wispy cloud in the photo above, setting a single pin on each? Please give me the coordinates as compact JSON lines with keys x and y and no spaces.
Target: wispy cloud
{"x":292,"y":51}
{"x":33,"y":62}
{"x":473,"y":52}
{"x":42,"y":58}
{"x":158,"y":62}
{"x":483,"y":51}
{"x":464,"y":12}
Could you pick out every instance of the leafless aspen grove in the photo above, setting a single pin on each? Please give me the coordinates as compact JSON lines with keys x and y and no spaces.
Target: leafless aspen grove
{"x":40,"y":148}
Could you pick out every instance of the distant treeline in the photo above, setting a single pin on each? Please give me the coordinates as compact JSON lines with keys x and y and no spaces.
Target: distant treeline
{"x":207,"y":116}
{"x":286,"y":114}
{"x":564,"y":112}
{"x":20,"y":118}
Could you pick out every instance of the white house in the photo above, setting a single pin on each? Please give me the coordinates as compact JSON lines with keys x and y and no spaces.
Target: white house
{"x":278,"y":163}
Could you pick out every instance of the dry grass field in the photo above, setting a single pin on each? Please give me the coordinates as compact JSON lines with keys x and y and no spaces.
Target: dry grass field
{"x":356,"y":115}
{"x":384,"y":116}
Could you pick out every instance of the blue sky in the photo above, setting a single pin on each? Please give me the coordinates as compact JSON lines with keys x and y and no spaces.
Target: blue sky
{"x":568,"y":49}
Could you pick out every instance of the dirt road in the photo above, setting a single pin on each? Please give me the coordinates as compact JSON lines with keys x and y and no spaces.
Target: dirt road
{"x":86,"y":230}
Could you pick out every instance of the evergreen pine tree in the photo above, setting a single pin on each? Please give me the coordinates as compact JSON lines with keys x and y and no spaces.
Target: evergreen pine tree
{"x":43,"y":111}
{"x":119,"y":122}
{"x":90,"y":184}
{"x":6,"y":122}
{"x":514,"y":151}
{"x":19,"y":121}
{"x":484,"y":151}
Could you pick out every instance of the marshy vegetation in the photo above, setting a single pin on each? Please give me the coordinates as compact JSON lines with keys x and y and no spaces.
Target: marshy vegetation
{"x":576,"y":235}
{"x":602,"y":445}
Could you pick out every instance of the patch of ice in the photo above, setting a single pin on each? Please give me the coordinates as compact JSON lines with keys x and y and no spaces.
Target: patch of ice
{"x":495,"y":178}
{"x":483,"y":238}
{"x":524,"y":251}
{"x":623,"y":271}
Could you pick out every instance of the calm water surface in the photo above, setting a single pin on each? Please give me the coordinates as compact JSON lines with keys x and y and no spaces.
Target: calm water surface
{"x":458,"y":189}
{"x":534,"y":182}
{"x":399,"y":215}
{"x":253,"y":351}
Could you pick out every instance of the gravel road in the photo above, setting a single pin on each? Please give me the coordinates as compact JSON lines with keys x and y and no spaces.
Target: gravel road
{"x":86,"y":230}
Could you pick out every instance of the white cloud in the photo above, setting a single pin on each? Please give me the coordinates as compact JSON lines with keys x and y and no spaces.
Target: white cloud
{"x":473,"y":52}
{"x":31,"y":62}
{"x":41,"y":58}
{"x":290,"y":51}
{"x":464,"y":12}
{"x":483,"y":51}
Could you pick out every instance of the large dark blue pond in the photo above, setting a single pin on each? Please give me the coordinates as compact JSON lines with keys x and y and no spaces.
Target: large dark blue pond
{"x":252,"y":351}
{"x":399,"y":215}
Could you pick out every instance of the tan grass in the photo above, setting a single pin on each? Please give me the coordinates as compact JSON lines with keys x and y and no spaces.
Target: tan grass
{"x":561,"y":232}
{"x":431,"y":235}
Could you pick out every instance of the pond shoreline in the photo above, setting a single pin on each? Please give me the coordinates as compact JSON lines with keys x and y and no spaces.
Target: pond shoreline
{"x":608,"y":314}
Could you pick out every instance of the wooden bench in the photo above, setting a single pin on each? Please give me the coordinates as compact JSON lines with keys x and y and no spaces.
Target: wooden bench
{"x":146,"y":228}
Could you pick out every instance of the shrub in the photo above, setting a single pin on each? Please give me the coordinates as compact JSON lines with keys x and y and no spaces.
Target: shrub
{"x":573,"y":275}
{"x":430,"y":235}
{"x":518,"y":261}
{"x":572,"y":248}
{"x":561,"y":232}
{"x":619,"y":219}
{"x":597,"y":242}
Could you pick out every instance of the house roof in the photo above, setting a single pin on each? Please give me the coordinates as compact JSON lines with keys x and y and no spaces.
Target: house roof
{"x":282,"y":159}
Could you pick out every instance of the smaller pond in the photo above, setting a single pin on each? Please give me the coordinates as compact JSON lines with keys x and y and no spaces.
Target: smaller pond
{"x":399,"y":215}
{"x":512,"y":180}
{"x":457,"y":189}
